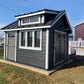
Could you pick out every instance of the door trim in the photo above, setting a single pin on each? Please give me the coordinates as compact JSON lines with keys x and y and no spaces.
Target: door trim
{"x":15,"y":44}
{"x":62,"y":33}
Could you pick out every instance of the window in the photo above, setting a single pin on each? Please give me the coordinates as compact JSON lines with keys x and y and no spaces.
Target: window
{"x":26,"y":20}
{"x":37,"y":38}
{"x":29,"y":39}
{"x":31,"y":20}
{"x":22,"y":38}
{"x":34,"y":19}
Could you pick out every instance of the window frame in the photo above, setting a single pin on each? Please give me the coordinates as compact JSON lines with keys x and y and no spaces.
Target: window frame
{"x":22,"y":23}
{"x":33,"y":40}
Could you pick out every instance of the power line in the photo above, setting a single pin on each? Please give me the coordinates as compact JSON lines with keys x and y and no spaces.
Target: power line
{"x":8,"y":8}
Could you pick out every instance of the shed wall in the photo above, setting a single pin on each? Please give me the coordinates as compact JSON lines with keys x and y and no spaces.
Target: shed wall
{"x":32,"y":57}
{"x":60,"y":26}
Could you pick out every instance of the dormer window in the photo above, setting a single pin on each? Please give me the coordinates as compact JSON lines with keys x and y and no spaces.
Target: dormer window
{"x":26,"y":20}
{"x":34,"y":19}
{"x":30,"y":20}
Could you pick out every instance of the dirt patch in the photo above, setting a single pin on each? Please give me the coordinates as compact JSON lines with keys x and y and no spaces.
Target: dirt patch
{"x":37,"y":76}
{"x":76,"y":69}
{"x":10,"y":77}
{"x":28,"y":82}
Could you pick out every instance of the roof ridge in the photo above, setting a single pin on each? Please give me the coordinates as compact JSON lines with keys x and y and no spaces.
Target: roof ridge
{"x":37,"y":11}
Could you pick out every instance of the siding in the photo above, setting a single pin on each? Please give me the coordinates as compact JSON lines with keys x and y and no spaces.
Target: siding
{"x":79,"y":32}
{"x":32,"y":57}
{"x":58,"y":26}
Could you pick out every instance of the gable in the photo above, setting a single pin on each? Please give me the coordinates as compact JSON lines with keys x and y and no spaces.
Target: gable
{"x":62,"y":24}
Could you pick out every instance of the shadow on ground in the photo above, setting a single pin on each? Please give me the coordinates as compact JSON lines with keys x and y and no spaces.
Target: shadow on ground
{"x":77,"y":62}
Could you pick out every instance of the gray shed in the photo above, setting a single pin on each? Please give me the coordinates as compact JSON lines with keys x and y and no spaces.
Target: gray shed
{"x":38,"y":39}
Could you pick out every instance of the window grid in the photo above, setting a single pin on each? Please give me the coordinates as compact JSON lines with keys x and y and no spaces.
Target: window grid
{"x":33,"y":40}
{"x":30,"y":20}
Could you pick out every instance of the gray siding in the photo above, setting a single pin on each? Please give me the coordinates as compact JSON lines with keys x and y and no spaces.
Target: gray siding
{"x":60,"y":26}
{"x":32,"y":57}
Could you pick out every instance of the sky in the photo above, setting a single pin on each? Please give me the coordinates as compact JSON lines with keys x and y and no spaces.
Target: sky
{"x":73,"y":8}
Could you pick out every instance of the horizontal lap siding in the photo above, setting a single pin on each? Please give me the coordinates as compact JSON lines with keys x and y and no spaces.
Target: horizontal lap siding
{"x":32,"y":57}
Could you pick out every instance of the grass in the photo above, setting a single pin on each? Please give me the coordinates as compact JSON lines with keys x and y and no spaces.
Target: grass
{"x":72,"y":73}
{"x":1,"y":53}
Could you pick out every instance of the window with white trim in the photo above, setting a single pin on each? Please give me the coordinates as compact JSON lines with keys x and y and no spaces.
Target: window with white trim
{"x":31,"y":39}
{"x":31,"y":20}
{"x":26,"y":20}
{"x":34,"y":19}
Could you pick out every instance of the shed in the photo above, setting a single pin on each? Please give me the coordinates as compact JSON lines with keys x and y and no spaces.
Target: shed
{"x":38,"y":39}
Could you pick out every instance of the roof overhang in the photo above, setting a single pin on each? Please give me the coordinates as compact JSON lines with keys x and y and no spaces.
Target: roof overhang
{"x":36,"y":13}
{"x":28,"y":28}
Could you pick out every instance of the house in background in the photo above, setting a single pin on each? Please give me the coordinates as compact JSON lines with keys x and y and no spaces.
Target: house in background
{"x":78,"y":32}
{"x":38,"y":39}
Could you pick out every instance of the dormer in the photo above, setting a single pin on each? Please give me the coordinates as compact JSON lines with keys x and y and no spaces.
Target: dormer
{"x":38,"y":17}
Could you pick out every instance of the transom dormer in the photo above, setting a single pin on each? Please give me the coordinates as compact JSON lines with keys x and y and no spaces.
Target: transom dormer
{"x":38,"y":17}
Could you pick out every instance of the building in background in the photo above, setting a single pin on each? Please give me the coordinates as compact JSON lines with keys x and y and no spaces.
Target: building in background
{"x":78,"y":34}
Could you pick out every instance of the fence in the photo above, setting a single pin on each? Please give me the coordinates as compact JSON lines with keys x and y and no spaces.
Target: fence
{"x":76,"y":47}
{"x":1,"y":53}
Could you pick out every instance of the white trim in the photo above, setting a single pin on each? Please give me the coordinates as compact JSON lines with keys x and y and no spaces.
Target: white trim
{"x":78,"y":24}
{"x":30,"y":22}
{"x":27,"y":47}
{"x":43,"y":18}
{"x":4,"y":46}
{"x":68,"y":21}
{"x":57,"y":19}
{"x":47,"y":50}
{"x":33,"y":39}
{"x":61,"y":32}
{"x":18,"y":22}
{"x":37,"y":13}
{"x":15,"y":44}
{"x":40,"y":27}
{"x":25,"y":39}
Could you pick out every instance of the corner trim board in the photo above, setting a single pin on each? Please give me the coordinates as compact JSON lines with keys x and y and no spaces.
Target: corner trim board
{"x":4,"y":46}
{"x":47,"y":50}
